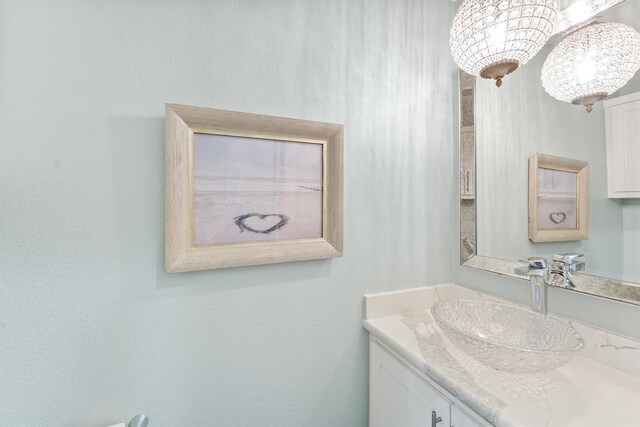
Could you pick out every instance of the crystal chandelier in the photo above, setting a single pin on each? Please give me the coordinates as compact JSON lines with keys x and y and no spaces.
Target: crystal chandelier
{"x":592,"y":63}
{"x":491,"y":38}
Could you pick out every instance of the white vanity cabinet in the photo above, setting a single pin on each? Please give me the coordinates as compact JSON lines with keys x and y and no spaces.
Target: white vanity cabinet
{"x":401,"y":397}
{"x":459,"y":418}
{"x":622,"y":117}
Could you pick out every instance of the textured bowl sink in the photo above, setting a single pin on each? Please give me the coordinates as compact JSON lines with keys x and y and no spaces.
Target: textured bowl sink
{"x":505,"y":337}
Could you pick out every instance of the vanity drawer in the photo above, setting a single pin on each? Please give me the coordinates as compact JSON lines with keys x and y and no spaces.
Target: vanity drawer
{"x":398,"y":397}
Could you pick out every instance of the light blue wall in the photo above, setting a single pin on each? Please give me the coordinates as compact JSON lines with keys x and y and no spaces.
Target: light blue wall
{"x":92,"y":331}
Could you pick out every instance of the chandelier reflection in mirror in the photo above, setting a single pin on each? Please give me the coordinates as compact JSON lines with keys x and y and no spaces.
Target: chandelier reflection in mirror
{"x":492,"y":38}
{"x":592,"y":63}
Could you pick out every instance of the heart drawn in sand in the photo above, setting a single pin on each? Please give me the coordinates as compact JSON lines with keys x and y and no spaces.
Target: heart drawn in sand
{"x":557,"y":217}
{"x":260,"y":223}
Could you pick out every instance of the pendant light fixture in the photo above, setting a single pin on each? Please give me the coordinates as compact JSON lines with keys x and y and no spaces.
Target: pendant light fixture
{"x":591,"y":63}
{"x":491,"y":38}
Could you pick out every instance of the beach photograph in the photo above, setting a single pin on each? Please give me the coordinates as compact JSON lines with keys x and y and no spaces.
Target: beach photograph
{"x":557,"y":199}
{"x":251,"y":189}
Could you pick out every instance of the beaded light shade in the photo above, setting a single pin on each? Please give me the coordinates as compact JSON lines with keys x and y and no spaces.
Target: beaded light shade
{"x":491,"y":38}
{"x":592,"y":63}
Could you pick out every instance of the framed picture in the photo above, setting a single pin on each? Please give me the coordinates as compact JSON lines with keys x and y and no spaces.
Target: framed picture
{"x":247,"y":189}
{"x":558,"y":199}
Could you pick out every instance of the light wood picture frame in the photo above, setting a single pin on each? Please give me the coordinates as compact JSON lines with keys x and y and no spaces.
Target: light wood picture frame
{"x":558,"y":199}
{"x":229,"y":176}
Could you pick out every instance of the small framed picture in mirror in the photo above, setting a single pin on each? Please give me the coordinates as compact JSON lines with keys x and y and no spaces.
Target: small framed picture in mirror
{"x":558,"y":199}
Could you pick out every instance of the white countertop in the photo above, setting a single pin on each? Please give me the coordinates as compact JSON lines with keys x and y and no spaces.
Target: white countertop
{"x":581,"y":393}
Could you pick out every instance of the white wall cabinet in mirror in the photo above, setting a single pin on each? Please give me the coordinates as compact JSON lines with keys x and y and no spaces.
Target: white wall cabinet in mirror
{"x":622,"y":116}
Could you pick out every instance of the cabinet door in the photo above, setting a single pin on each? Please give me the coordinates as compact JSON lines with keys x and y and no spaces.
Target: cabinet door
{"x":460,"y":418}
{"x":623,"y":149}
{"x":400,"y":398}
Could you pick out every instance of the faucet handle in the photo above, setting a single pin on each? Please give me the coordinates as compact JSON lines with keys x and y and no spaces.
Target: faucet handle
{"x":536,"y":266}
{"x":569,"y":258}
{"x":535,"y":262}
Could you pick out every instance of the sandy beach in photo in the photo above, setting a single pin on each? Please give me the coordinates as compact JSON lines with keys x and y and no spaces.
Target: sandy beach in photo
{"x":557,"y":199}
{"x":249,"y":190}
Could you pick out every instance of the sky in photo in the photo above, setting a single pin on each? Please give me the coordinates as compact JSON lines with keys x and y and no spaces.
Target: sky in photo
{"x":239,"y":157}
{"x":555,"y":182}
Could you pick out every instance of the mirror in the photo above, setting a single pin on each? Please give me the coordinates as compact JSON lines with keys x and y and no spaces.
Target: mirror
{"x":500,"y":129}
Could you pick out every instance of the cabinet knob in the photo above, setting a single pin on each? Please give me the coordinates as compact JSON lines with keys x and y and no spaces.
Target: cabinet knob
{"x":435,"y":419}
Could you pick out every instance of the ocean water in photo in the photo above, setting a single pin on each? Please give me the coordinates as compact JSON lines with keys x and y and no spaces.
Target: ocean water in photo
{"x":240,"y":210}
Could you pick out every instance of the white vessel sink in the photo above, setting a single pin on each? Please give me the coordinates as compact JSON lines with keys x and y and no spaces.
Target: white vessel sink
{"x":505,"y":337}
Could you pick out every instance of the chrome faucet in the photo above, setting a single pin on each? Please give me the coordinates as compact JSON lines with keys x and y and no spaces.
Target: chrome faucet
{"x":562,"y":267}
{"x":558,"y":275}
{"x":538,"y":273}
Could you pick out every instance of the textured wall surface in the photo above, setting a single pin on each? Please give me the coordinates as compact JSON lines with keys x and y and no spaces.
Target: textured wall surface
{"x":92,"y":331}
{"x":631,"y":219}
